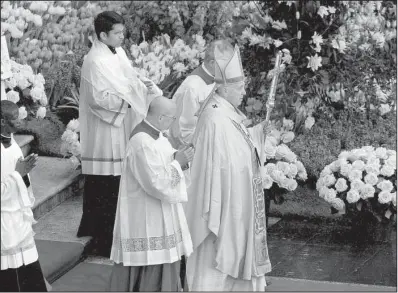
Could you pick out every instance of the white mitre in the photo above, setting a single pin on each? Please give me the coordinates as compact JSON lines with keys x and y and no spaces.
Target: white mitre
{"x":228,"y":65}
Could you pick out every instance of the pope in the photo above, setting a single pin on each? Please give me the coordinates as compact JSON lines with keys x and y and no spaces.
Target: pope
{"x":225,"y":210}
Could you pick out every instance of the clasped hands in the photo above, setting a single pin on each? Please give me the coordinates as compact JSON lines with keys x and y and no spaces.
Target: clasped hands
{"x":184,"y":155}
{"x":24,"y":166}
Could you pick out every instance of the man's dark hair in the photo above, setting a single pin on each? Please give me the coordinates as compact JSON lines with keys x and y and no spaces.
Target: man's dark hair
{"x":7,"y":109}
{"x":105,"y":21}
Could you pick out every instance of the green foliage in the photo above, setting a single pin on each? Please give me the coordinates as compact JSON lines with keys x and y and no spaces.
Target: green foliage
{"x":338,"y":130}
{"x":47,"y":133}
{"x":301,"y":90}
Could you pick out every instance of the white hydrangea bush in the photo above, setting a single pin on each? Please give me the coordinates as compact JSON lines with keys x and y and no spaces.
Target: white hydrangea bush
{"x":361,"y":178}
{"x":282,"y":168}
{"x":71,"y":142}
{"x":31,"y":85}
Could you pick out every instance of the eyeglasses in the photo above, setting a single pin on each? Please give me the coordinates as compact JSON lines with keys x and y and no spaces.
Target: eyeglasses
{"x":171,"y":117}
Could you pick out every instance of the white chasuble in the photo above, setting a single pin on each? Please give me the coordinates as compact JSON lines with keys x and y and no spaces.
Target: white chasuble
{"x":109,"y":85}
{"x":150,"y":225}
{"x":225,"y":211}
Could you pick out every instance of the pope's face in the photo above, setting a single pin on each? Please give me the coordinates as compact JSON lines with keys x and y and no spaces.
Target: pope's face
{"x":235,"y":93}
{"x":115,"y":37}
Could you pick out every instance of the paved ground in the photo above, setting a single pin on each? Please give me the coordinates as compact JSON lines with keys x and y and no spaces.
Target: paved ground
{"x":94,"y":273}
{"x":305,"y":256}
{"x":315,"y":253}
{"x":302,"y":260}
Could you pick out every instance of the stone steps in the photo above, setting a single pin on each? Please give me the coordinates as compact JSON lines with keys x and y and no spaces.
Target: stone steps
{"x":59,"y":248}
{"x":54,"y":180}
{"x":58,"y":190}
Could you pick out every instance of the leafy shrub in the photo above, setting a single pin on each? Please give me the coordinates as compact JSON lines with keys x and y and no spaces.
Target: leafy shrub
{"x":342,"y":130}
{"x":47,"y":133}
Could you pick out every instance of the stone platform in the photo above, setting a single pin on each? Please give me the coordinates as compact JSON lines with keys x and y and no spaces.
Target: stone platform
{"x":24,"y":140}
{"x":59,"y":248}
{"x":53,"y":181}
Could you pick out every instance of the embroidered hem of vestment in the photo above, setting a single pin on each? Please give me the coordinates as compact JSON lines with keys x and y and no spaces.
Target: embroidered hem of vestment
{"x":148,"y":243}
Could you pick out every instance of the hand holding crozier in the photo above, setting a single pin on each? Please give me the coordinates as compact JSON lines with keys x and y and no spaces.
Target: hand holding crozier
{"x":267,"y":128}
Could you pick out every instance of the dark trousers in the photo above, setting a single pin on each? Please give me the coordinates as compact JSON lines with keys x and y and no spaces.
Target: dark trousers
{"x":99,"y":210}
{"x":27,"y":278}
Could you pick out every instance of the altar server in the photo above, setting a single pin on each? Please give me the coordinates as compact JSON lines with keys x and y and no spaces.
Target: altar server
{"x":151,"y":234}
{"x":113,"y":100}
{"x":20,"y":267}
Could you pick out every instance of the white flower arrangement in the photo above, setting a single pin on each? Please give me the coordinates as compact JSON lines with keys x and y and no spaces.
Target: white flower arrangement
{"x":282,"y":166}
{"x":361,"y":177}
{"x":31,"y":85}
{"x":71,"y":144}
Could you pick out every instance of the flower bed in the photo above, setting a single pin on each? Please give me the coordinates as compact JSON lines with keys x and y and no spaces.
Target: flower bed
{"x":336,"y":84}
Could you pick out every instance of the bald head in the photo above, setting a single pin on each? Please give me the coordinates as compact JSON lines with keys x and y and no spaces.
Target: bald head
{"x":161,"y":112}
{"x":161,"y":105}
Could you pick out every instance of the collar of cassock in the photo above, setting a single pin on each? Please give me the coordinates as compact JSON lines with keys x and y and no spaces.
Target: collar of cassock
{"x":148,"y":128}
{"x":113,"y":50}
{"x":204,"y":74}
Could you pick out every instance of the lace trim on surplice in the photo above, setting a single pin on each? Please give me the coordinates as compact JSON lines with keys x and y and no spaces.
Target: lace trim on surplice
{"x":148,"y":243}
{"x":175,"y":177}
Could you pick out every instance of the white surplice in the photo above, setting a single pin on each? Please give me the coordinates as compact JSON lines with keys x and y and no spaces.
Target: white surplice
{"x":189,"y":97}
{"x":109,"y":84}
{"x":150,"y":226}
{"x":17,"y":243}
{"x":225,"y":211}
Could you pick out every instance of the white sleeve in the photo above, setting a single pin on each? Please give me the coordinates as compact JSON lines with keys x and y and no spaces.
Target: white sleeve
{"x":188,"y":105}
{"x":162,"y":181}
{"x":109,"y":96}
{"x":132,"y":73}
{"x":12,"y":185}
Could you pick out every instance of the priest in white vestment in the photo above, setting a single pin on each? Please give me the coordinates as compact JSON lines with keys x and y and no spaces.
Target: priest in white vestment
{"x":225,"y":211}
{"x":190,"y":95}
{"x":151,"y":234}
{"x":192,"y":92}
{"x":20,"y":267}
{"x":113,"y":100}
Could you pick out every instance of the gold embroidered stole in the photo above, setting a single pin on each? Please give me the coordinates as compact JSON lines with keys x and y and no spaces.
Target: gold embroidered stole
{"x":260,"y":235}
